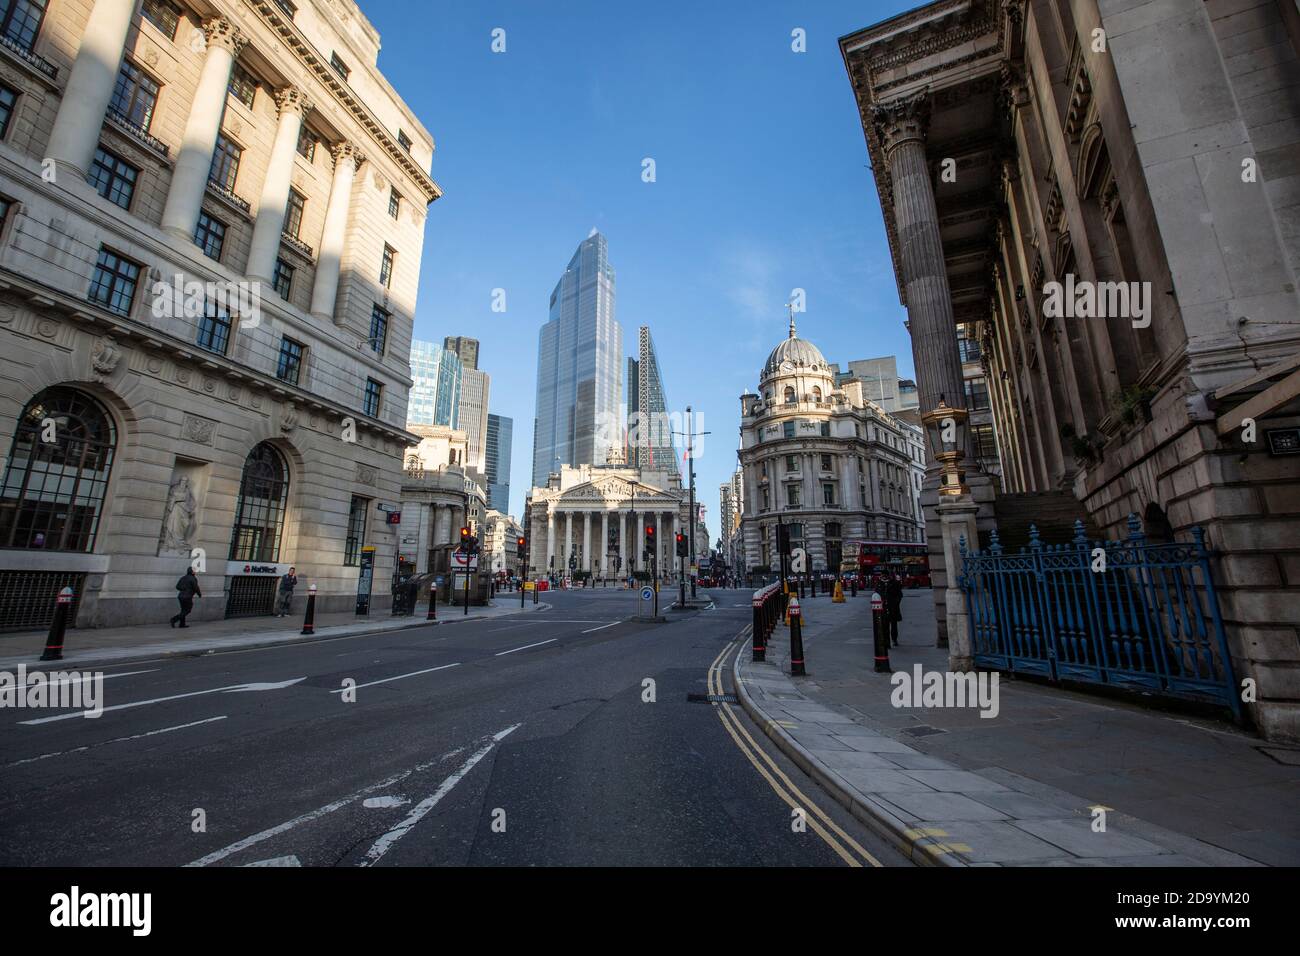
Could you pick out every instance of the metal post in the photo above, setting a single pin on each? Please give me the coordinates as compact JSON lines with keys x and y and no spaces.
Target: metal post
{"x":879,"y":636}
{"x":796,"y":640}
{"x":760,"y":646}
{"x":309,"y":622}
{"x":433,"y":599}
{"x":682,"y":583}
{"x":54,"y":640}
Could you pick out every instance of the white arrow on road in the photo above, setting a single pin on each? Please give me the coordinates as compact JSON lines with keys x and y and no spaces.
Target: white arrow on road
{"x":277,"y":861}
{"x":233,"y":688}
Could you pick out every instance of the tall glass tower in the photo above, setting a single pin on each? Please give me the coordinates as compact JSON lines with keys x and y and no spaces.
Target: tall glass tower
{"x":436,"y":375}
{"x":650,"y":435}
{"x":500,"y":438}
{"x":579,"y":366}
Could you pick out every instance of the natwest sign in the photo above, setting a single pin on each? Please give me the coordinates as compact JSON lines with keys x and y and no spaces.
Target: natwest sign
{"x":249,"y":568}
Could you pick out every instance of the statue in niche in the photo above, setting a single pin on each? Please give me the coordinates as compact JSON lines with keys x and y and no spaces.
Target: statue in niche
{"x":178,"y":518}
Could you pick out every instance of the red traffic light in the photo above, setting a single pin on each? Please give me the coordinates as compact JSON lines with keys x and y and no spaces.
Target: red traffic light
{"x":649,"y":531}
{"x":522,"y":542}
{"x":680,"y":537}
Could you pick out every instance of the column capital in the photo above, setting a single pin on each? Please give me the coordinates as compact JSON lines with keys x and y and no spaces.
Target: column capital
{"x":222,"y":32}
{"x":346,"y":150}
{"x":292,"y":99}
{"x":901,"y":120}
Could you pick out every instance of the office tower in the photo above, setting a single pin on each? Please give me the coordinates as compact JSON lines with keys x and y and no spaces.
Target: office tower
{"x":466,"y":349}
{"x":474,"y":388}
{"x":436,"y":376}
{"x":650,"y":434}
{"x":500,"y":436}
{"x":579,"y":366}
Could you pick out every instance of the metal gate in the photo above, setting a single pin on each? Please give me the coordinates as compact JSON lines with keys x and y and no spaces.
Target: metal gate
{"x":251,"y":596}
{"x":1150,"y":620}
{"x":27,"y":598}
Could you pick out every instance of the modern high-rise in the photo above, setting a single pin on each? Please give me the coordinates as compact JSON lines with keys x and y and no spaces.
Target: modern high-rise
{"x":436,"y":375}
{"x":474,"y":387}
{"x":579,"y":366}
{"x":650,"y":435}
{"x":466,"y":349}
{"x":500,"y":436}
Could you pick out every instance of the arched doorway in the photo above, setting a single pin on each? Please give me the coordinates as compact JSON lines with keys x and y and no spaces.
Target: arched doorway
{"x":258,"y":530}
{"x":52,"y":498}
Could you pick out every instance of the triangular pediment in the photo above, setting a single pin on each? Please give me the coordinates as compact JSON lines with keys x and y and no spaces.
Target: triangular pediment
{"x":614,"y":488}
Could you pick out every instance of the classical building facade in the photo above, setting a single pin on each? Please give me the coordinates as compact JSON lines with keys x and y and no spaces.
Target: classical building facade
{"x":836,"y":468}
{"x":211,"y":220}
{"x":593,"y":517}
{"x":440,"y":494}
{"x":1138,"y":157}
{"x":500,"y":542}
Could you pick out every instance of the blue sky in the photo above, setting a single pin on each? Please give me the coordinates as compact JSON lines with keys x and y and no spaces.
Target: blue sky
{"x":762,"y":186}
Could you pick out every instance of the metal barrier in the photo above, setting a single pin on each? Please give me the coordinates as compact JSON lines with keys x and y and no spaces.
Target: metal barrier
{"x":1124,"y":613}
{"x":769,"y":605}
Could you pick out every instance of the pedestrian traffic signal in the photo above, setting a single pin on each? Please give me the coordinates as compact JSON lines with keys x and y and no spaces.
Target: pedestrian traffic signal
{"x":681,"y":545}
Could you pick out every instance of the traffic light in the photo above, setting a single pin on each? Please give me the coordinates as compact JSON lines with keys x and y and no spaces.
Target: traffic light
{"x":783,"y":539}
{"x":468,"y":542}
{"x":681,"y":545}
{"x":650,"y":539}
{"x":521,"y":547}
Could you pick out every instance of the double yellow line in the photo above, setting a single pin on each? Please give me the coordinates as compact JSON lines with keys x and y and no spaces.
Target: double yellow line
{"x":817,"y":819}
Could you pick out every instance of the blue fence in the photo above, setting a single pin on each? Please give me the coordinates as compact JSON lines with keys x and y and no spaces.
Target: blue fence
{"x":1150,"y":621}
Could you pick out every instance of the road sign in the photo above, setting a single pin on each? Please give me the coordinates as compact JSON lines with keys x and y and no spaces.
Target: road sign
{"x":529,"y":586}
{"x":461,"y":561}
{"x":647,"y":594}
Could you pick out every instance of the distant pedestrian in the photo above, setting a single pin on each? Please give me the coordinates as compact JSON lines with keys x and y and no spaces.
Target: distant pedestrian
{"x":288,"y":582}
{"x":894,"y":604}
{"x":187,"y":589}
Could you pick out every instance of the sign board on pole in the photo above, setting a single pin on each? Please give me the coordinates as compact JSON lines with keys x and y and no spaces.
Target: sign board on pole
{"x":461,"y":561}
{"x":364,"y":579}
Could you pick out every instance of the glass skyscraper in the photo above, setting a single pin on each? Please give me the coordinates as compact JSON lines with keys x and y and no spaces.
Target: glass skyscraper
{"x":436,"y":375}
{"x":579,"y":366}
{"x":500,"y":435}
{"x":650,"y":437}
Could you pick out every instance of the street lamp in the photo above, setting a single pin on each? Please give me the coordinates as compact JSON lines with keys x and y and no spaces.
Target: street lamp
{"x":945,"y":427}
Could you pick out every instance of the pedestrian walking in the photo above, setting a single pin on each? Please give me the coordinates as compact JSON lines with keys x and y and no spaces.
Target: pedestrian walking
{"x":894,"y":606}
{"x":187,"y":589}
{"x":288,"y":582}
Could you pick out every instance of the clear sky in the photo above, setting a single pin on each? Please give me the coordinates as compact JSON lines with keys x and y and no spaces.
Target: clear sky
{"x":761,"y":186}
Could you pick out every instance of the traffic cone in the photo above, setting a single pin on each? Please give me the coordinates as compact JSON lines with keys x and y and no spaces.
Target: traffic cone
{"x":838,"y":597}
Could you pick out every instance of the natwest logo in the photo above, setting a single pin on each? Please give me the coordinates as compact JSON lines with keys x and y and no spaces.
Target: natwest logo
{"x":260,"y":569}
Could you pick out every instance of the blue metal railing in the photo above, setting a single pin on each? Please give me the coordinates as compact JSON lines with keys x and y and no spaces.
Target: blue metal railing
{"x":1149,"y":621}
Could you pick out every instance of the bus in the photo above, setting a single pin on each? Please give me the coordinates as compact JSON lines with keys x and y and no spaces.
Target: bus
{"x":907,"y":560}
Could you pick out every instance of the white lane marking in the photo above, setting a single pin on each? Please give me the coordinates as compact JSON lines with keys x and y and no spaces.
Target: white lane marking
{"x":218,"y":855}
{"x":602,"y":627}
{"x":427,"y":670}
{"x":524,"y":648}
{"x":83,"y":678}
{"x":115,"y":740}
{"x":385,"y":842}
{"x":379,"y":803}
{"x":232,"y":689}
{"x":277,"y":861}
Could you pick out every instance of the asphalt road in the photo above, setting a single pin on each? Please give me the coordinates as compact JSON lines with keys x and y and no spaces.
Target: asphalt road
{"x":556,"y":737}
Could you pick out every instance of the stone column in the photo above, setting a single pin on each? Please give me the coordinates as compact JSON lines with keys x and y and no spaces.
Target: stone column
{"x":604,"y":543}
{"x":586,"y":541}
{"x":329,"y":258}
{"x":194,"y":160}
{"x":550,"y":540}
{"x":957,"y":517}
{"x":265,"y":246}
{"x":90,"y":87}
{"x":568,"y":540}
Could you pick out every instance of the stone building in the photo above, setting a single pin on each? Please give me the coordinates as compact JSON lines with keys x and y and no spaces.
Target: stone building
{"x":440,"y":495}
{"x":211,"y":221}
{"x":500,"y":539}
{"x":835,"y":468}
{"x":596,"y":515}
{"x":1105,"y":192}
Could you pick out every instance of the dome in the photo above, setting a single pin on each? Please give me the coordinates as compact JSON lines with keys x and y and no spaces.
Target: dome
{"x":800,"y":353}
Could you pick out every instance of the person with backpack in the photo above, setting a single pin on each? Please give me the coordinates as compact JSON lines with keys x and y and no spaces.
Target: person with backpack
{"x":187,"y":589}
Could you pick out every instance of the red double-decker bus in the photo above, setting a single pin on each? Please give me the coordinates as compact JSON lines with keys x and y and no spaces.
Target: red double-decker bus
{"x":906,"y":560}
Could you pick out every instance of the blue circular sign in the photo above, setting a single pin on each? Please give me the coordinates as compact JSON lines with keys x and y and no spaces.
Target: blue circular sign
{"x":647,"y":594}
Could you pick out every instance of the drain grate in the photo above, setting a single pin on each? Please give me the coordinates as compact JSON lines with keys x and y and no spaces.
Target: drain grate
{"x":711,"y":698}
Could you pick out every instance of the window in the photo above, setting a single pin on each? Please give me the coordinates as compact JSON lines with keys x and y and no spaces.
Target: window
{"x":787,"y":429}
{"x":403,"y":141}
{"x":8,"y":100}
{"x":287,"y":7}
{"x":792,"y":495}
{"x":826,"y":430}
{"x":5,"y":206}
{"x":983,"y":441}
{"x":340,"y":67}
{"x":826,"y":462}
{"x":290,"y":362}
{"x":817,"y":394}
{"x":828,"y":493}
{"x":114,"y":281}
{"x":306,"y":143}
{"x":134,"y":96}
{"x":163,"y":15}
{"x":210,"y":234}
{"x":791,"y":462}
{"x":282,"y":280}
{"x":225,"y":163}
{"x":356,"y":536}
{"x":386,"y":267}
{"x":214,"y":328}
{"x":374,"y":393}
{"x":259,"y":511}
{"x":243,"y":86}
{"x":293,"y":214}
{"x":977,"y":394}
{"x":378,"y":329}
{"x":766,"y":502}
{"x":394,"y":202}
{"x":20,"y":20}
{"x":53,"y":492}
{"x":789,"y":395}
{"x":968,"y":349}
{"x":113,"y":178}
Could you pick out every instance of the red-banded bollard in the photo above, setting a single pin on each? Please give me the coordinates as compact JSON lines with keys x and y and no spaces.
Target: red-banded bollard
{"x":309,"y":622}
{"x":54,"y":640}
{"x":760,"y":642}
{"x":880,"y":638}
{"x":432,"y":615}
{"x":796,"y":640}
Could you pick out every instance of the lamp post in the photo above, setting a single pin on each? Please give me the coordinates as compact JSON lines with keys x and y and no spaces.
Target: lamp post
{"x":690,"y":464}
{"x":945,"y":427}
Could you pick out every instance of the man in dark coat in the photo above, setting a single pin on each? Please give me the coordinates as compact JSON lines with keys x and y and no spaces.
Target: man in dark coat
{"x":894,"y":606}
{"x":187,"y":589}
{"x":288,"y":582}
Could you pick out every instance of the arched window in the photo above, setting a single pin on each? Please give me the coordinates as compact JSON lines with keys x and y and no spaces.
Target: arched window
{"x":789,"y":395}
{"x":259,"y":513}
{"x":817,"y":394}
{"x":53,"y":491}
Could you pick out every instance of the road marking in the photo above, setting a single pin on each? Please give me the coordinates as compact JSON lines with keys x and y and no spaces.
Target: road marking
{"x":385,"y":680}
{"x":81,"y":679}
{"x":217,"y":855}
{"x":115,"y":740}
{"x":277,"y":861}
{"x":602,"y":627}
{"x":380,"y":803}
{"x":386,"y":842}
{"x":524,"y":648}
{"x":232,"y":689}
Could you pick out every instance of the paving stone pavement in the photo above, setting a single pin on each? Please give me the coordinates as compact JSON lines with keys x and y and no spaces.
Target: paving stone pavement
{"x":952,"y":788}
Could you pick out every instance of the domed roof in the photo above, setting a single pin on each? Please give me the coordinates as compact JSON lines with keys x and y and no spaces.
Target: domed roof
{"x":800,"y":353}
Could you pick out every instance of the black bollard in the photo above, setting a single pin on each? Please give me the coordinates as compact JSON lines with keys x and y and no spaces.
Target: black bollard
{"x":54,"y":640}
{"x":853,"y":585}
{"x":813,"y":584}
{"x":796,"y":641}
{"x":880,"y":638}
{"x":760,"y":647}
{"x":433,"y":600}
{"x":309,"y":622}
